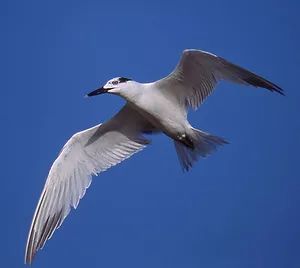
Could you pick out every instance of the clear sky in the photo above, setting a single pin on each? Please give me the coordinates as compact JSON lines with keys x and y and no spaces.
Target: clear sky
{"x":237,"y":208}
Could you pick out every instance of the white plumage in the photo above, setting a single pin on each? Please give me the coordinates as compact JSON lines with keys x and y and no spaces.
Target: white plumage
{"x":160,"y":106}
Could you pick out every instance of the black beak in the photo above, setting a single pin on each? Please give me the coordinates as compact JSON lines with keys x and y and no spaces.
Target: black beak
{"x":98,"y":91}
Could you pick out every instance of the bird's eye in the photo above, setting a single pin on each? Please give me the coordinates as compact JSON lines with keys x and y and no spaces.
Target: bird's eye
{"x":114,"y":82}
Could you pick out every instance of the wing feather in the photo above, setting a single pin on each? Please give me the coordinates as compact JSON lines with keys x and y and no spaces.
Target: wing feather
{"x":87,"y":153}
{"x":197,"y":74}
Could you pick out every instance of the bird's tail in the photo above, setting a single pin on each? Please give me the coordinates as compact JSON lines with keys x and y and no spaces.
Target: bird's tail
{"x":201,"y":145}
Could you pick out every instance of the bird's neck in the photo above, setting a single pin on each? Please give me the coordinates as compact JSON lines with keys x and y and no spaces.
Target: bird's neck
{"x":133,"y":92}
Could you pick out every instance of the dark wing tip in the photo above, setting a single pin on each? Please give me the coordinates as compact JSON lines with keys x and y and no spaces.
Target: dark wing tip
{"x":251,"y":78}
{"x":37,"y":243}
{"x":257,"y":81}
{"x":31,"y":249}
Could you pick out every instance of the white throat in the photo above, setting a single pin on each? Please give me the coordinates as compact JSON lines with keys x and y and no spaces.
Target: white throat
{"x":131,"y":91}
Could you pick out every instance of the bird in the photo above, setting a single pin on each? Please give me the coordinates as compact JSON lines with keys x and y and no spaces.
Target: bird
{"x":157,"y":107}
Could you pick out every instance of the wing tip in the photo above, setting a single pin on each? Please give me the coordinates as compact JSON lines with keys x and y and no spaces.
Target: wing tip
{"x":34,"y":245}
{"x":279,"y":90}
{"x":263,"y":83}
{"x":29,"y":255}
{"x":28,"y":259}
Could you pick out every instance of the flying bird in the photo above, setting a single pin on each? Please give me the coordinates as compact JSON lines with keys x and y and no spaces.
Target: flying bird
{"x":158,"y":107}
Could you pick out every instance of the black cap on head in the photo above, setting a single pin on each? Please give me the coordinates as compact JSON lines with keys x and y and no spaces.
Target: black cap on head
{"x":124,"y":79}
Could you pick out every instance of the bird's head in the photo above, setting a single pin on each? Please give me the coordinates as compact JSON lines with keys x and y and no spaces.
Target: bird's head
{"x":113,"y":86}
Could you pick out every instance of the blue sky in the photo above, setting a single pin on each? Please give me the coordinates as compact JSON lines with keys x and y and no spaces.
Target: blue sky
{"x":237,"y":208}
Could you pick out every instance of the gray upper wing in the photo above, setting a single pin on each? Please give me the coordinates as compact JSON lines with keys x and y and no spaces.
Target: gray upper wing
{"x":197,"y":74}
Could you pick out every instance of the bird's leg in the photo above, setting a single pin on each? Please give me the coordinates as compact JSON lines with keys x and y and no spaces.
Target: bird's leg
{"x":184,"y":139}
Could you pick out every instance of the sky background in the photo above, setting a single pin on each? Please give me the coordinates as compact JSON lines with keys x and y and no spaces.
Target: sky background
{"x":237,"y":208}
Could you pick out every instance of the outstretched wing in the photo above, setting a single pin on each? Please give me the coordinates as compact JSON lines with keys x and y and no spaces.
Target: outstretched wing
{"x":197,"y":74}
{"x":87,"y":153}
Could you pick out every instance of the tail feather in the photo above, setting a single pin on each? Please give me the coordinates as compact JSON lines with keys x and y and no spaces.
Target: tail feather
{"x":204,"y":145}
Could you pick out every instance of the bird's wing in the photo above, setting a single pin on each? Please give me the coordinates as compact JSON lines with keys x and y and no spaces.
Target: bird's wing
{"x":87,"y":153}
{"x":197,"y":74}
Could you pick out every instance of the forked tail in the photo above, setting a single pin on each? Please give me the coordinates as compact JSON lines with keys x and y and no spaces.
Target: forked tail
{"x":203,"y":144}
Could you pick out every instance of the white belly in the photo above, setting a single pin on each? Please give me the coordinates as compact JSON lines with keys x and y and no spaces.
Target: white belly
{"x":163,"y":114}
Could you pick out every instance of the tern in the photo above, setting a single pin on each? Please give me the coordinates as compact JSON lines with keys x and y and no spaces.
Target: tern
{"x":158,"y":107}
